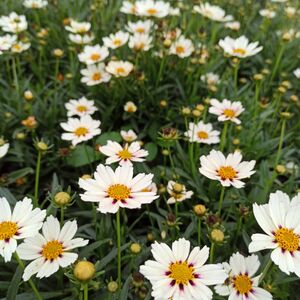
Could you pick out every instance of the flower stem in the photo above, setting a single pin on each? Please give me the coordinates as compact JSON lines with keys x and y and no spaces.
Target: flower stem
{"x":265,"y":271}
{"x":280,"y":142}
{"x":14,"y":69}
{"x":119,"y":248}
{"x":199,"y":232}
{"x":277,"y":62}
{"x":221,"y":200}
{"x":85,"y":292}
{"x":235,"y":74}
{"x":62,"y":213}
{"x":21,"y":264}
{"x":223,"y":137}
{"x":37,"y":178}
{"x":211,"y":255}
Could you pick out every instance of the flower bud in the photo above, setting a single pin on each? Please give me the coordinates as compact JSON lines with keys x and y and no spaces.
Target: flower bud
{"x":84,"y":270}
{"x":28,"y":96}
{"x":199,"y":209}
{"x":135,"y":248}
{"x":62,"y":198}
{"x":112,"y":286}
{"x":217,"y":235}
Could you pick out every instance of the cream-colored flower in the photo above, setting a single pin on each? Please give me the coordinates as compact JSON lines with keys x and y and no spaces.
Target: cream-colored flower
{"x":93,"y":54}
{"x":119,"y":68}
{"x":116,"y":40}
{"x":95,"y":74}
{"x":182,"y":47}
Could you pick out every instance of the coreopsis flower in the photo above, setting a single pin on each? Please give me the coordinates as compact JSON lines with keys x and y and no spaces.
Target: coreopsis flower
{"x":270,"y":14}
{"x":239,"y":47}
{"x":93,"y":54}
{"x":3,"y":148}
{"x":202,"y":133}
{"x":280,"y":220}
{"x":115,"y":189}
{"x":6,"y":42}
{"x":35,"y":3}
{"x":13,"y":23}
{"x":235,"y":25}
{"x":177,"y":192}
{"x":119,"y":68}
{"x":140,"y":42}
{"x":178,"y":273}
{"x":81,"y":39}
{"x":227,"y":170}
{"x":128,"y":8}
{"x":150,"y":8}
{"x":30,"y":122}
{"x":80,"y":107}
{"x":211,"y":78}
{"x":78,"y":27}
{"x":23,"y":222}
{"x":226,"y":110}
{"x":297,"y":73}
{"x":51,"y":250}
{"x":95,"y":74}
{"x":142,"y":27}
{"x":130,"y":107}
{"x":80,"y":130}
{"x":123,"y":155}
{"x":116,"y":40}
{"x":241,"y":283}
{"x":19,"y":47}
{"x":182,"y":47}
{"x":128,"y":136}
{"x":212,"y":12}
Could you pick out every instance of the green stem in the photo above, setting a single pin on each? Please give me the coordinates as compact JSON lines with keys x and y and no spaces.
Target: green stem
{"x":211,"y":255}
{"x":280,"y":143}
{"x":265,"y":271}
{"x":14,"y":69}
{"x":37,"y":178}
{"x":221,"y":200}
{"x":278,"y":59}
{"x":236,"y":71}
{"x":199,"y":232}
{"x":62,"y":213}
{"x":119,"y":248}
{"x":21,"y":264}
{"x":223,"y":137}
{"x":85,"y":292}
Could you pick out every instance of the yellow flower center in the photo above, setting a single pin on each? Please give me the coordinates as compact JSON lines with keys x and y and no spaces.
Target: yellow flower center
{"x":229,"y":113}
{"x":152,"y":11}
{"x":202,"y":135}
{"x":239,"y":51}
{"x":52,"y":250}
{"x":7,"y":230}
{"x":242,"y":284}
{"x":287,"y":239}
{"x":95,"y":56}
{"x":81,"y":108}
{"x":140,"y":30}
{"x":227,"y":172}
{"x":81,"y":131}
{"x":124,"y":154}
{"x":120,"y":70}
{"x":181,"y":272}
{"x":117,"y":42}
{"x":119,"y":192}
{"x":96,"y":76}
{"x":16,"y":47}
{"x":179,"y":49}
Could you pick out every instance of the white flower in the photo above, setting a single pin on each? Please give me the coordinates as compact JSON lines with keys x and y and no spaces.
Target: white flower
{"x":211,"y":78}
{"x":174,"y":11}
{"x":22,"y":223}
{"x":124,"y":155}
{"x":78,"y":27}
{"x":35,"y":3}
{"x":116,"y":40}
{"x":128,"y":8}
{"x":270,"y":14}
{"x":94,"y":74}
{"x":227,"y":170}
{"x":176,"y":273}
{"x":3,"y":149}
{"x":50,"y":250}
{"x":81,"y":39}
{"x":6,"y":42}
{"x":239,"y":47}
{"x":142,"y":27}
{"x":212,"y":12}
{"x":13,"y":23}
{"x":130,"y":107}
{"x":280,"y":220}
{"x":235,"y":25}
{"x":19,"y":47}
{"x":297,"y":73}
{"x":290,"y":11}
{"x":226,"y":110}
{"x":115,"y":189}
{"x":119,"y":68}
{"x":140,"y":42}
{"x":202,"y":133}
{"x":80,"y":130}
{"x":178,"y":192}
{"x":182,"y":47}
{"x":150,"y":8}
{"x":80,"y":107}
{"x":128,"y":136}
{"x":93,"y":54}
{"x":242,"y":284}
